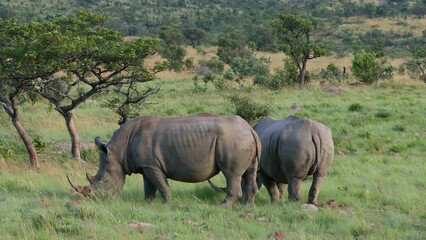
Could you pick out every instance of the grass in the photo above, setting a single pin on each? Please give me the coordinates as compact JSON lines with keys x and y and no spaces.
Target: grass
{"x":377,"y":176}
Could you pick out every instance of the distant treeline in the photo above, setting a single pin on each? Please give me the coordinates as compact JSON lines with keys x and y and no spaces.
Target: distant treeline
{"x":207,"y":20}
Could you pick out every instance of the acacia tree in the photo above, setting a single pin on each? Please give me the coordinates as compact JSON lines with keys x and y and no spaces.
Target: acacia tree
{"x":28,"y":53}
{"x":101,"y":60}
{"x":295,"y":35}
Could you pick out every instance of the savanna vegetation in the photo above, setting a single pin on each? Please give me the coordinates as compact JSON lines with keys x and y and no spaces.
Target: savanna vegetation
{"x":358,"y":67}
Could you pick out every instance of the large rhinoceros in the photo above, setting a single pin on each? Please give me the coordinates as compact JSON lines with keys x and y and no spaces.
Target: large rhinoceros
{"x":293,"y":149}
{"x":187,"y":149}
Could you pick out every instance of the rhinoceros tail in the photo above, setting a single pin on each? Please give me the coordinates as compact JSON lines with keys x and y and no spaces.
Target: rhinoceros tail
{"x":215,"y":187}
{"x":258,"y":146}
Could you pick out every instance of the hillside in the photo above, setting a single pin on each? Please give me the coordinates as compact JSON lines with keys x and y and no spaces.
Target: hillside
{"x":388,"y":26}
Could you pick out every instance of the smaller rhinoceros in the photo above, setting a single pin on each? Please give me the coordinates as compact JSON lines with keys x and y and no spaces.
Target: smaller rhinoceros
{"x":293,"y":149}
{"x":186,"y":149}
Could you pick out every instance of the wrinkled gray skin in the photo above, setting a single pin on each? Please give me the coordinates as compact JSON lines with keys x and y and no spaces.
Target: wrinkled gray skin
{"x":293,"y":149}
{"x":187,"y":149}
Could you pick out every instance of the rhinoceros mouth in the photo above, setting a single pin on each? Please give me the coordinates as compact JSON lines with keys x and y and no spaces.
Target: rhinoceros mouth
{"x":86,"y":191}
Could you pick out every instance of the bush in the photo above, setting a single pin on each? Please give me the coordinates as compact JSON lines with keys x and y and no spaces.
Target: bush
{"x":249,"y":110}
{"x":355,"y":107}
{"x":214,"y":65}
{"x":369,"y":67}
{"x":285,"y":77}
{"x":365,"y":67}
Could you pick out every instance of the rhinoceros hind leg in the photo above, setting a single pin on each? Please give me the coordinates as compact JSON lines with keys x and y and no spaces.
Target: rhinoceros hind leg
{"x":294,"y":185}
{"x":281,"y":187}
{"x":159,"y":180}
{"x":149,"y":189}
{"x":271,"y":186}
{"x":315,"y":189}
{"x":233,"y":190}
{"x":249,"y":184}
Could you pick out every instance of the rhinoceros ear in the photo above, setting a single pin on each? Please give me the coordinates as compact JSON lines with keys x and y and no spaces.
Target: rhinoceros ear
{"x":100,"y":145}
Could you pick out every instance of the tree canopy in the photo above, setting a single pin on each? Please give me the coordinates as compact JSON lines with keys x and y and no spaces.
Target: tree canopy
{"x":296,"y":38}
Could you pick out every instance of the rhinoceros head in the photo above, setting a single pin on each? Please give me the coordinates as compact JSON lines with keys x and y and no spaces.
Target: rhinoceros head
{"x":110,"y":176}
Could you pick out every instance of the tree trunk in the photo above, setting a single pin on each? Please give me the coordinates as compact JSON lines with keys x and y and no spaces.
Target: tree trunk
{"x":11,"y":108}
{"x":75,"y":140}
{"x":32,"y":154}
{"x":302,"y":75}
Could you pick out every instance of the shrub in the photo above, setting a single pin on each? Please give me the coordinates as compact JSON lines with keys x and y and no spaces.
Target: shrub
{"x":249,"y":110}
{"x":355,"y":107}
{"x":214,"y":65}
{"x":229,"y":75}
{"x":285,"y":77}
{"x":382,"y":114}
{"x":369,"y":67}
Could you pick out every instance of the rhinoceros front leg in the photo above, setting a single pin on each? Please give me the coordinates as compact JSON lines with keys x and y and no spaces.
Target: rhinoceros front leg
{"x":233,"y":190}
{"x":159,"y":180}
{"x":294,"y":185}
{"x":149,"y":189}
{"x":315,"y":189}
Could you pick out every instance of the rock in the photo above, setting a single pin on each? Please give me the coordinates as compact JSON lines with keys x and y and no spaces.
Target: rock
{"x":248,"y":215}
{"x":140,"y":225}
{"x":45,"y":202}
{"x":278,"y":235}
{"x":333,"y":89}
{"x":295,"y":107}
{"x":332,"y":203}
{"x":309,"y":207}
{"x":190,"y":222}
{"x":262,"y":219}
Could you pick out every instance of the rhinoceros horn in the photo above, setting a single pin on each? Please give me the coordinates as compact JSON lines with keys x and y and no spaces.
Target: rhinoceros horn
{"x":86,"y":191}
{"x":90,"y":178}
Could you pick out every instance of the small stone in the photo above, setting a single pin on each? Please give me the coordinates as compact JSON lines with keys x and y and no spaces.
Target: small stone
{"x":278,"y":235}
{"x":309,"y":207}
{"x":140,"y":225}
{"x":262,"y":219}
{"x":190,"y":222}
{"x":332,"y":203}
{"x":248,"y":215}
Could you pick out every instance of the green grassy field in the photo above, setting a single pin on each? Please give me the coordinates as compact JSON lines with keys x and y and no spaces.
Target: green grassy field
{"x":377,"y":178}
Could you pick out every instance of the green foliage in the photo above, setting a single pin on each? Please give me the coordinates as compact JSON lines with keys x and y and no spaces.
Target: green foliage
{"x":5,"y":150}
{"x":416,"y":65}
{"x":369,"y":67}
{"x":229,"y":75}
{"x":248,"y":109}
{"x":15,"y":186}
{"x":90,"y":155}
{"x":250,"y":66}
{"x":285,"y":77}
{"x":332,"y":72}
{"x":355,"y":107}
{"x":382,"y":114}
{"x":214,"y":65}
{"x":171,"y":35}
{"x":39,"y":143}
{"x":197,"y":87}
{"x":231,"y":46}
{"x":295,"y":37}
{"x":175,"y":56}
